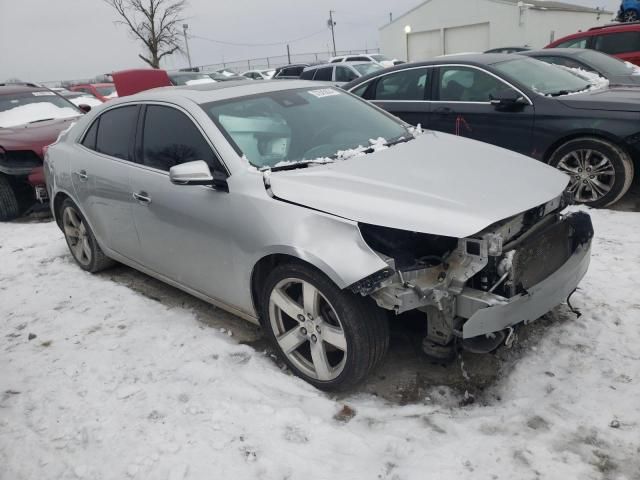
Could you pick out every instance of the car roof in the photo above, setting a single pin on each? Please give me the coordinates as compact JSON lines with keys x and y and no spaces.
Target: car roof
{"x":12,"y":89}
{"x":617,"y":26}
{"x":212,"y":92}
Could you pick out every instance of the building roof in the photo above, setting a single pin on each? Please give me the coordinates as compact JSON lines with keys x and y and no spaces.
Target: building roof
{"x":532,"y":4}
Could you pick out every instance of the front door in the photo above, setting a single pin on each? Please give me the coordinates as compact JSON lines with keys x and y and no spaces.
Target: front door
{"x":462,"y":106}
{"x":183,"y":229}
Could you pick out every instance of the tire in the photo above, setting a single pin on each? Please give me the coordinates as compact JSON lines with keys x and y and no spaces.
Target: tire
{"x":630,"y":16}
{"x":80,"y":239}
{"x":9,"y":208}
{"x":579,"y":159}
{"x":349,"y":332}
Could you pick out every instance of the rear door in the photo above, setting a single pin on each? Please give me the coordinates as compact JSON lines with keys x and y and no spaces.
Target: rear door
{"x":101,"y":178}
{"x":183,"y":229}
{"x":624,"y":45}
{"x":403,"y":93}
{"x":462,"y":106}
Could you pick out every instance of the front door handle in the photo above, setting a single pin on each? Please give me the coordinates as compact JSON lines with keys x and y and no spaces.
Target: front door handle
{"x":142,"y":197}
{"x":82,"y":175}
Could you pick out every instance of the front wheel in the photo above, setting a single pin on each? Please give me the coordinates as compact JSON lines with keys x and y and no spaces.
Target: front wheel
{"x":601,"y":172}
{"x":630,"y":16}
{"x":9,"y":208}
{"x":331,"y":338}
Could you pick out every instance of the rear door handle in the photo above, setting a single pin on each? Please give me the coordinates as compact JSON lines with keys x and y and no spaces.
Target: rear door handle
{"x":142,"y":197}
{"x":82,"y":175}
{"x":443,"y":110}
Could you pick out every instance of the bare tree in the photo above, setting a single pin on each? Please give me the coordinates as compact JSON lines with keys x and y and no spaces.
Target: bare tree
{"x":156,"y":23}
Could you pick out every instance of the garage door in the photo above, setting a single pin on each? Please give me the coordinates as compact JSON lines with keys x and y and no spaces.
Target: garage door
{"x":470,"y":38}
{"x":424,"y":45}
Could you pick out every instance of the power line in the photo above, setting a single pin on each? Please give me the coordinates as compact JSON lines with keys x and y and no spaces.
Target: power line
{"x":234,"y":44}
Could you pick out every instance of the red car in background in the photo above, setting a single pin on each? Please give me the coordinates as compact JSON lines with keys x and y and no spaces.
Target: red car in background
{"x":103,"y":91}
{"x":31,"y":118}
{"x":621,"y":40}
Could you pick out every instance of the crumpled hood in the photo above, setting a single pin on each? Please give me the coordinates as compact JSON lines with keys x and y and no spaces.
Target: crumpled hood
{"x":438,"y":184}
{"x":33,"y":136}
{"x":621,"y":99}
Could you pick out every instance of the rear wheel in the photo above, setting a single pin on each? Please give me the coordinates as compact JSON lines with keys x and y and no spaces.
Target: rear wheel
{"x":601,"y":172}
{"x":9,"y":208}
{"x":331,"y":338}
{"x":81,"y":241}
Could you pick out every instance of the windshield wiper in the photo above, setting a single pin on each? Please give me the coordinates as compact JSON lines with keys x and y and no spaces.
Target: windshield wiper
{"x":300,"y":164}
{"x":43,"y":120}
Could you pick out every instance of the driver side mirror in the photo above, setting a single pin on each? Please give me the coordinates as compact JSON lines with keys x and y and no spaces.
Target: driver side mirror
{"x":84,"y":107}
{"x":197,"y":173}
{"x":508,"y":99}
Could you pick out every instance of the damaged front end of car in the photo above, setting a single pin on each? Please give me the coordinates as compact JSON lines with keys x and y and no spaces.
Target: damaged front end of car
{"x":474,"y":291}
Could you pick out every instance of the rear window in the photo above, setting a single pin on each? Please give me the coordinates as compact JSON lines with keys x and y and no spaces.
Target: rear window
{"x":617,"y":43}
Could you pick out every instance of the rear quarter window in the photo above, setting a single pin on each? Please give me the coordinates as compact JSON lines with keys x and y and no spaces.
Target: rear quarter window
{"x":116,"y":130}
{"x":617,"y":43}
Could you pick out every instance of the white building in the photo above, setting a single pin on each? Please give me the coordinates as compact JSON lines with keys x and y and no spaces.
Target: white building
{"x":441,"y":27}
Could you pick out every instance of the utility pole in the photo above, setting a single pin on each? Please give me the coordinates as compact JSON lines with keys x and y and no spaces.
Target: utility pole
{"x":390,"y":17}
{"x":185,"y":26}
{"x":332,"y":24}
{"x":288,"y":55}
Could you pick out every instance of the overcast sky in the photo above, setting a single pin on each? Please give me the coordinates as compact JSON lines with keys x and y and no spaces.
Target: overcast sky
{"x":47,"y":40}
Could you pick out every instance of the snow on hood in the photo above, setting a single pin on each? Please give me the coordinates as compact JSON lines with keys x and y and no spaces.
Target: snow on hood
{"x":32,"y":112}
{"x":86,"y":100}
{"x":438,"y":184}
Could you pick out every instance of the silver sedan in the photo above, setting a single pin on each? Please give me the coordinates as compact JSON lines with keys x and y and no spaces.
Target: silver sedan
{"x":319,"y":216}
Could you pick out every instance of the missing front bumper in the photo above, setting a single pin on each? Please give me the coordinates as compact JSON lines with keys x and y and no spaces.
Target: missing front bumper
{"x":488,"y":313}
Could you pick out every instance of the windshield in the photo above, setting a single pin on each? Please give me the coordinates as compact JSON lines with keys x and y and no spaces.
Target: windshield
{"x":227,"y":73}
{"x":541,"y":77}
{"x":367,"y":68}
{"x":380,"y":58}
{"x":191,"y":79}
{"x":30,"y":107}
{"x":106,"y":90}
{"x":605,"y":63}
{"x":294,"y":126}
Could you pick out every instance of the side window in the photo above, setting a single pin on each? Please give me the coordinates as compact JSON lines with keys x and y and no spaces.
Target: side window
{"x":308,"y":74}
{"x":116,"y":130}
{"x":345,"y":74}
{"x":361,"y":90}
{"x":403,"y":85}
{"x":296,"y":71}
{"x":170,"y":138}
{"x":616,"y":43}
{"x":324,"y":74}
{"x":90,"y":137}
{"x":460,"y":84}
{"x":575,"y":43}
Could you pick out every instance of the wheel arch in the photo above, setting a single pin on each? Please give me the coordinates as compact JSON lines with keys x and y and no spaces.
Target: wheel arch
{"x":597,"y":134}
{"x":58,"y":200}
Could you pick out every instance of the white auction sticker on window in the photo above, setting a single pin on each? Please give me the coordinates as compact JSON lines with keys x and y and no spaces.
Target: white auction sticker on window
{"x":324,"y":92}
{"x":43,"y":94}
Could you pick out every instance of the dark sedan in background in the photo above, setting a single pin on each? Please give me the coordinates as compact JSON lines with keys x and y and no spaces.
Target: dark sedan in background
{"x":523,"y":105}
{"x":613,"y":69}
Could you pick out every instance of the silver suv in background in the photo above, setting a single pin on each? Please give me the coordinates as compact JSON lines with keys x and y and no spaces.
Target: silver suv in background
{"x":320,"y":216}
{"x":342,"y":73}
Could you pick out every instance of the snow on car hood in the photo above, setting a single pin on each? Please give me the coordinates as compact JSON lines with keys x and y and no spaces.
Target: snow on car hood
{"x":438,"y":184}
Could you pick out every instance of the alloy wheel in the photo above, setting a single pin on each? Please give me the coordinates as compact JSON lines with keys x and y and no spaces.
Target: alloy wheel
{"x":307,"y":329}
{"x":592,"y":174}
{"x":77,"y":236}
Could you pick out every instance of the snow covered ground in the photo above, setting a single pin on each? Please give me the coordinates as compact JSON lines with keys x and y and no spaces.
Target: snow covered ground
{"x":100,"y":382}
